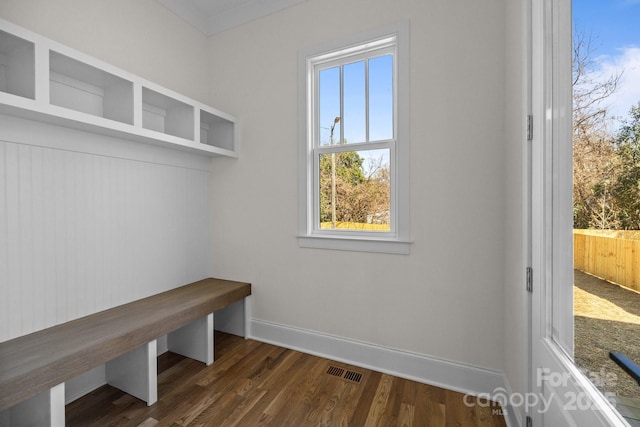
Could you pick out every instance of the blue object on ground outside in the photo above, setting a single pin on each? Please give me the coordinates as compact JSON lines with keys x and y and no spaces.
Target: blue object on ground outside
{"x":627,"y":364}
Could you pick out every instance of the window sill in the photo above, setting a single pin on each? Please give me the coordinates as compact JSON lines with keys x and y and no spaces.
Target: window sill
{"x":357,"y":244}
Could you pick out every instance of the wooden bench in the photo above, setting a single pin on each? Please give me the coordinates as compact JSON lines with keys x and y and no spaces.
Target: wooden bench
{"x":34,"y":367}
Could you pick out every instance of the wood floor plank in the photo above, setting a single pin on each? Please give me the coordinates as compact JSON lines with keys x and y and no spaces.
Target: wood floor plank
{"x":149,"y":422}
{"x":415,"y":394}
{"x":243,"y":408}
{"x":366,"y":399}
{"x":315,"y":398}
{"x":332,"y":405}
{"x":407,"y":413}
{"x":293,"y":410}
{"x":457,"y":412}
{"x":283,"y":390}
{"x":346,"y":404}
{"x":380,"y":400}
{"x":258,"y":384}
{"x":277,"y":385}
{"x":89,"y":407}
{"x":392,"y":409}
{"x":243,"y":354}
{"x":484,"y":415}
{"x":437,"y":414}
{"x":244,"y":392}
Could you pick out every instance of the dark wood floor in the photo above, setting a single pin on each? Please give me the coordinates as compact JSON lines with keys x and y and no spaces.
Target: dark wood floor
{"x":257,"y":384}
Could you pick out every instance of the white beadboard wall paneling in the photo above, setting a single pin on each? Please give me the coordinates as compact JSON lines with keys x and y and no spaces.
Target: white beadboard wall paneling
{"x":88,"y":222}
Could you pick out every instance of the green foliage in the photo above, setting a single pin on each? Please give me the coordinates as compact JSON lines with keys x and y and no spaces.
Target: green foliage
{"x":348,"y":167}
{"x":626,"y":188}
{"x":359,"y":198}
{"x":629,"y":133}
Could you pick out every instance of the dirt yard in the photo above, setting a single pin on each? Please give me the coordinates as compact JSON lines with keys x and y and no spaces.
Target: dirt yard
{"x":607,"y":318}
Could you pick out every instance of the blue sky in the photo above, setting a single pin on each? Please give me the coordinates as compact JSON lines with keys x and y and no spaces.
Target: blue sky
{"x":614,"y":23}
{"x":353,"y":123}
{"x":354,"y":119}
{"x":614,"y":27}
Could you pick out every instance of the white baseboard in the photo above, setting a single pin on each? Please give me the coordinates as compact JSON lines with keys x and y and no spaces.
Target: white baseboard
{"x":443,"y":373}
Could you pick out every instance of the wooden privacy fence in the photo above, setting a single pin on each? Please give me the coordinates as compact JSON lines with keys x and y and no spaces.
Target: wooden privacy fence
{"x":612,"y":255}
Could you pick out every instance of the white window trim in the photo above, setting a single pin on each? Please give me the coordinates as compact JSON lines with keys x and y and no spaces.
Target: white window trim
{"x":398,"y":240}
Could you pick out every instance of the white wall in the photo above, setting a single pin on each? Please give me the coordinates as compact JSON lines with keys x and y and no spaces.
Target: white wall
{"x":446,"y":298}
{"x":141,"y":37}
{"x":87,"y":221}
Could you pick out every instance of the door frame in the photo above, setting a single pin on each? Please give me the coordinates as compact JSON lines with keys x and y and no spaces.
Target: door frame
{"x":553,"y":377}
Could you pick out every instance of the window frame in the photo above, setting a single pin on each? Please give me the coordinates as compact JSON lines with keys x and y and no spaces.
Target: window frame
{"x":310,"y":61}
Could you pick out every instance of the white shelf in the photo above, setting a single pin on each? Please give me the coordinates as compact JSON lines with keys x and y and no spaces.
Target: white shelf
{"x":216,"y":131}
{"x":49,"y":82}
{"x":17,"y":65}
{"x":81,"y":87}
{"x":164,"y":114}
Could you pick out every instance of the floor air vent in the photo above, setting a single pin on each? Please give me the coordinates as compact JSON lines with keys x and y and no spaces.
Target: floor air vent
{"x":355,"y":377}
{"x":335,"y":371}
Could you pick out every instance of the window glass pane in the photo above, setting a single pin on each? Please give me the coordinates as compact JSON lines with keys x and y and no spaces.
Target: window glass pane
{"x":355,"y":122}
{"x":381,"y":98}
{"x":329,"y":105}
{"x":355,"y":190}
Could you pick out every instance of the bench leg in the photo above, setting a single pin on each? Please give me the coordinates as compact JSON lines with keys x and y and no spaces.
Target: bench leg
{"x":136,"y":372}
{"x":194,"y":340}
{"x":234,"y":319}
{"x":247,"y":317}
{"x":44,"y":409}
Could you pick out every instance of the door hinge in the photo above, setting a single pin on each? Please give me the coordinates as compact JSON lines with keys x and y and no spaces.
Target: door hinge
{"x":529,"y":279}
{"x":530,"y":127}
{"x":529,"y":422}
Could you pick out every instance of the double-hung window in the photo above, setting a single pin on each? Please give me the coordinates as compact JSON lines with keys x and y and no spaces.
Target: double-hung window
{"x":354,"y":144}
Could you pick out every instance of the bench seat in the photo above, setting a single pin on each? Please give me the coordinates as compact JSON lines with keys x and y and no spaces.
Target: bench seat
{"x":39,"y":361}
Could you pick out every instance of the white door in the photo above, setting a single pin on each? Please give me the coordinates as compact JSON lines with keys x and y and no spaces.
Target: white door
{"x":560,"y":395}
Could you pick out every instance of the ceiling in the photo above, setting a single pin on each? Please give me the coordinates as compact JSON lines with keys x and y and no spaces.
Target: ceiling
{"x":214,"y":16}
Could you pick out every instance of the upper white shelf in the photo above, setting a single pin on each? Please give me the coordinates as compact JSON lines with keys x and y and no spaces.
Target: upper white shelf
{"x":44,"y":80}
